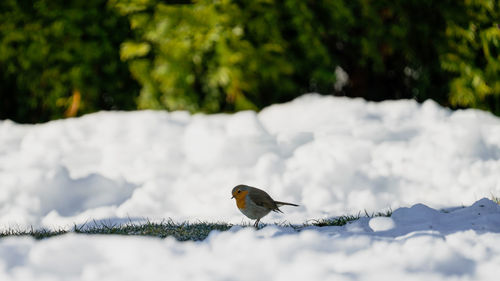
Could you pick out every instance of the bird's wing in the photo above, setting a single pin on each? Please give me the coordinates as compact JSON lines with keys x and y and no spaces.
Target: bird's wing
{"x":263,"y":199}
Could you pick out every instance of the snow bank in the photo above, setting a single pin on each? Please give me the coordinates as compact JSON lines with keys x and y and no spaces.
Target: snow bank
{"x":424,"y":244}
{"x":333,"y":156}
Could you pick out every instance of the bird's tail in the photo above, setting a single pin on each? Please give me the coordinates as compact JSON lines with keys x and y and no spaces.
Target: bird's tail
{"x":284,"y":203}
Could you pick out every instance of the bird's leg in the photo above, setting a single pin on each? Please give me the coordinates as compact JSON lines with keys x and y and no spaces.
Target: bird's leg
{"x":256,"y":224}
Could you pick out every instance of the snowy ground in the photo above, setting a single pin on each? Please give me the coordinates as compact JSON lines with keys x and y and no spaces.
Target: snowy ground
{"x":333,"y":156}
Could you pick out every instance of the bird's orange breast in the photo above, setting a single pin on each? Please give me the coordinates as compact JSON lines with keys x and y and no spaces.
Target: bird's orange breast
{"x":240,"y":199}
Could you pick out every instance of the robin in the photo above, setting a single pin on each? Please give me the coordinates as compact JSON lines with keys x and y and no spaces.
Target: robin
{"x":255,"y":203}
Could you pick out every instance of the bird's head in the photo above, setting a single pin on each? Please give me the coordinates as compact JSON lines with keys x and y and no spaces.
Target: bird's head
{"x":239,"y":191}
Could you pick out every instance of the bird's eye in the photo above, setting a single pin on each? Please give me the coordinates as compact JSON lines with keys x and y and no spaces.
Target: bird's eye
{"x":239,"y":191}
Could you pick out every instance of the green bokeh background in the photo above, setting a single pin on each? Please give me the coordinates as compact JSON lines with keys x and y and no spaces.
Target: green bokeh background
{"x":65,"y":58}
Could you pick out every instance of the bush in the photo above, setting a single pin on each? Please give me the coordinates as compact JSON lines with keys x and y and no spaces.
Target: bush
{"x":473,"y":55}
{"x":226,"y":55}
{"x":61,"y":58}
{"x":231,"y":55}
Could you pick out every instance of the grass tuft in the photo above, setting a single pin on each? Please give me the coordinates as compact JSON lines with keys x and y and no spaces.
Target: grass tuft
{"x":343,"y":220}
{"x":337,"y":221}
{"x":181,"y":231}
{"x":184,"y":231}
{"x":35,"y":233}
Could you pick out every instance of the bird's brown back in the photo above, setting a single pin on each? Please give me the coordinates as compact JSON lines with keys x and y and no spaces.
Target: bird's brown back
{"x":261,"y":198}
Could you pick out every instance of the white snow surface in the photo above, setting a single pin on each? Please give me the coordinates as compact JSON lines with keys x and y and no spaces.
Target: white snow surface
{"x":332,"y":156}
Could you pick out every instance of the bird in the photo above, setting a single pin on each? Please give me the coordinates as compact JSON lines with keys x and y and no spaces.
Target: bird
{"x":255,"y":203}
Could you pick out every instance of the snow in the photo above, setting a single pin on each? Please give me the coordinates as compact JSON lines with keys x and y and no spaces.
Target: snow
{"x":424,"y":244}
{"x":333,"y":156}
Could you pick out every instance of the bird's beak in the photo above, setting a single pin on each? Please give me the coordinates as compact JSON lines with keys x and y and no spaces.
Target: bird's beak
{"x":232,"y":197}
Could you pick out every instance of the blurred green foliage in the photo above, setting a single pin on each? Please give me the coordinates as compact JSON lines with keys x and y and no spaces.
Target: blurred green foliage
{"x":229,"y":55}
{"x":245,"y":54}
{"x":473,"y":55}
{"x":58,"y":57}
